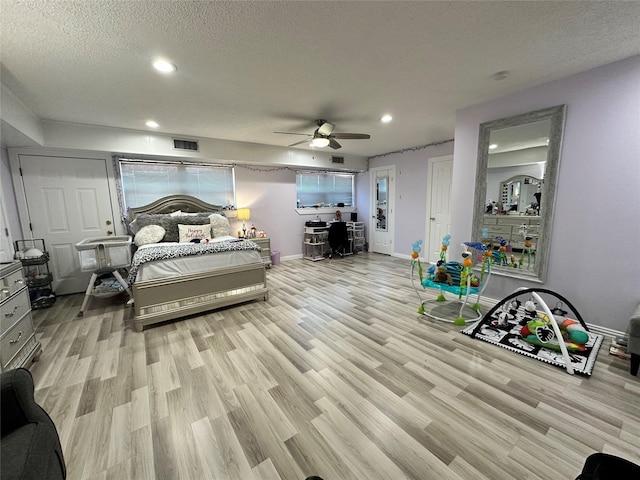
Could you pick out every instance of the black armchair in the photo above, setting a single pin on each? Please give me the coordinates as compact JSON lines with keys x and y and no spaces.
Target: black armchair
{"x":338,"y":238}
{"x":30,"y":447}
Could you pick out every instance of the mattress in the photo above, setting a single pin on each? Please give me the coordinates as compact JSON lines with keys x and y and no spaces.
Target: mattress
{"x":176,"y":267}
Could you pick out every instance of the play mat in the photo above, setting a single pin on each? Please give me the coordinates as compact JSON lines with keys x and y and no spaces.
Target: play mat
{"x":523,"y":323}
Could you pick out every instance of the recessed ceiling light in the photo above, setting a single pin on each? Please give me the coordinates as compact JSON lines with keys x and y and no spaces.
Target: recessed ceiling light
{"x":492,"y":146}
{"x":152,"y":124}
{"x":164,"y":66}
{"x":386,"y":118}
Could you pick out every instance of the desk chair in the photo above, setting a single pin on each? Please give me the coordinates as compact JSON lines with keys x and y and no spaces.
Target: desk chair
{"x":338,"y":238}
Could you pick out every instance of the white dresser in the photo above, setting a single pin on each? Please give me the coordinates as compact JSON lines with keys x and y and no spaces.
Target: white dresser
{"x":18,"y":344}
{"x":509,"y":228}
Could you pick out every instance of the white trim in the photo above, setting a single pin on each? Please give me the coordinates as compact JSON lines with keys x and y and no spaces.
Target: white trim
{"x":607,"y":332}
{"x":325,"y":210}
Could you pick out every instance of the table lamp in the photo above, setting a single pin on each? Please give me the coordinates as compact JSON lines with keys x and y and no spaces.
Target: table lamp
{"x":244,"y":214}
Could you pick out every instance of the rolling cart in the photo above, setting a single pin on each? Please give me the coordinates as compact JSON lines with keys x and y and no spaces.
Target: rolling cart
{"x":104,"y":256}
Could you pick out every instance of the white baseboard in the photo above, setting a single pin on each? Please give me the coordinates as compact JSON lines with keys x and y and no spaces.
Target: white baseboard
{"x":607,"y":332}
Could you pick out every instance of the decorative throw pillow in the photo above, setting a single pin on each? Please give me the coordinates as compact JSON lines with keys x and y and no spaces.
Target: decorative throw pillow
{"x":166,"y":221}
{"x":219,"y":225}
{"x":189,"y":232}
{"x":149,"y":234}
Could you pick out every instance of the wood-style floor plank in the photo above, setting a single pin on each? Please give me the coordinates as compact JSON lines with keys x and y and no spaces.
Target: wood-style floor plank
{"x":336,"y":375}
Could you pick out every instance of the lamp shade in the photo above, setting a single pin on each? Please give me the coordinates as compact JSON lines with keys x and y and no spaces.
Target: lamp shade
{"x":244,"y":214}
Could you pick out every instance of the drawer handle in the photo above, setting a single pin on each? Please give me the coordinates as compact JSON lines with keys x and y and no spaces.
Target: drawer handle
{"x":20,"y":281}
{"x":11,"y":314}
{"x":11,"y":342}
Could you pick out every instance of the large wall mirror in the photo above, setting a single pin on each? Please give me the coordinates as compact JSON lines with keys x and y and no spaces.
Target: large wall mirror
{"x":516,"y":179}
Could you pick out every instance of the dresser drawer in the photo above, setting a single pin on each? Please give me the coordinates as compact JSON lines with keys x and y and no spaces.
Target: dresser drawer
{"x":12,"y":283}
{"x":13,"y":309}
{"x":512,"y":220}
{"x":498,"y":230}
{"x":13,"y":340}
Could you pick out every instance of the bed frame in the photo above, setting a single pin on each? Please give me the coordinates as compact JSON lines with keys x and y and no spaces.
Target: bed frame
{"x":160,"y":300}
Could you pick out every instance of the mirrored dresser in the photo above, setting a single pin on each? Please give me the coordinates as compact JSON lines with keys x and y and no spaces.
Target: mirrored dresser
{"x":18,"y":344}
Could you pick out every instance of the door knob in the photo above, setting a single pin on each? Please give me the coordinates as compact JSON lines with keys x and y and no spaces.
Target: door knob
{"x":108,"y":222}
{"x":109,"y":232}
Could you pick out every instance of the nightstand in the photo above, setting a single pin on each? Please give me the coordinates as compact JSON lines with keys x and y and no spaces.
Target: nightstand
{"x":265,"y":244}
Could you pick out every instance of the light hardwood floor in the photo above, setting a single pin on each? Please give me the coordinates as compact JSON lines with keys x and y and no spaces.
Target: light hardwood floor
{"x":336,"y":375}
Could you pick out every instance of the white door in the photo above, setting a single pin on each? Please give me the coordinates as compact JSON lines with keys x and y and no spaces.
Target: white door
{"x":67,"y":201}
{"x":382,"y":208}
{"x":6,"y":247}
{"x":438,"y":204}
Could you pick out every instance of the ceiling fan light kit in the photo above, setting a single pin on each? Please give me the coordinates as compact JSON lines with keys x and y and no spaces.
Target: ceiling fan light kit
{"x":320,"y":142}
{"x":323,"y":136}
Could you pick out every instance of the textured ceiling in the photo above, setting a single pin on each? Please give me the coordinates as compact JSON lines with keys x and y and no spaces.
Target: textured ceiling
{"x":248,"y":69}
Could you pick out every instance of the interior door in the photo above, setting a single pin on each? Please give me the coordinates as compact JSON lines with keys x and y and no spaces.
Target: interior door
{"x":382,"y":218}
{"x":438,"y":204}
{"x":67,"y":200}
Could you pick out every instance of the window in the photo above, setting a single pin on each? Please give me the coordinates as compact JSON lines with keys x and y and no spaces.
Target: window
{"x":144,"y":182}
{"x":324,"y":189}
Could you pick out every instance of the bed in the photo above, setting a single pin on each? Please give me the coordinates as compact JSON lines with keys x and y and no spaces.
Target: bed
{"x":200,"y":283}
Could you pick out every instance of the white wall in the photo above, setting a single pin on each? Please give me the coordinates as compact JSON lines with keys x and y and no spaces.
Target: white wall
{"x":594,"y":258}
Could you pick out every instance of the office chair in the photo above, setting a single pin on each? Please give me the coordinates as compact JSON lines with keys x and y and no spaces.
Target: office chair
{"x":338,"y":238}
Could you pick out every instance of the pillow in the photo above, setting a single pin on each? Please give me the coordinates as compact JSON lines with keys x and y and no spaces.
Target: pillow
{"x":219,"y":225}
{"x":176,"y":213}
{"x":149,"y":234}
{"x":166,"y":221}
{"x":189,"y":232}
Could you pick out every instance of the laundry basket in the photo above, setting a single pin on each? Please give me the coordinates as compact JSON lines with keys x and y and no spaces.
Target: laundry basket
{"x":104,"y":252}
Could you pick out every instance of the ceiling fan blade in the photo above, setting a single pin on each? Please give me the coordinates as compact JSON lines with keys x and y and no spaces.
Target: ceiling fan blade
{"x":351,"y":136}
{"x":294,"y":133}
{"x":333,"y":144}
{"x":325,"y":128}
{"x":306,"y":140}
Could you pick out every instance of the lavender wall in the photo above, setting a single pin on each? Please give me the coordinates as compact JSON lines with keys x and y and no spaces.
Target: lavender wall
{"x":596,"y":227}
{"x":411,"y":193}
{"x":270,"y":193}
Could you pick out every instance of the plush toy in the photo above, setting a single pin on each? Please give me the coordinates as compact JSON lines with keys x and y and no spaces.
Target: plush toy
{"x":442,"y":276}
{"x":573,"y":330}
{"x":530,"y":309}
{"x":539,"y":332}
{"x":514,"y":305}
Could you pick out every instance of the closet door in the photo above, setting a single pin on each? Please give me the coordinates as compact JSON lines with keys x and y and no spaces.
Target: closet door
{"x":68,"y":200}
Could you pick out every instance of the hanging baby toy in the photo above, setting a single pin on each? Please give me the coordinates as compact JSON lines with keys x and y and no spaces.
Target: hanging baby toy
{"x":467,"y":273}
{"x":415,"y":257}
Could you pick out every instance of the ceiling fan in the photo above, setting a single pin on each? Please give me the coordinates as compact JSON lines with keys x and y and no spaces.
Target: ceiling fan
{"x":323,"y":136}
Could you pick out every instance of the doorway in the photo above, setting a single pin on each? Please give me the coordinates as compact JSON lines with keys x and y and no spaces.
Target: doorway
{"x":66,"y":200}
{"x":438,"y":222}
{"x":382,"y":209}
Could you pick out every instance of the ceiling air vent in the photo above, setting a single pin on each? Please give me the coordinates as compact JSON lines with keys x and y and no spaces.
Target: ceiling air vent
{"x":185,"y":145}
{"x":337,"y":159}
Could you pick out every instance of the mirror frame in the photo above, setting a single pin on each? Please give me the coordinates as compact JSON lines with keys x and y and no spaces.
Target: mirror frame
{"x":557,"y":115}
